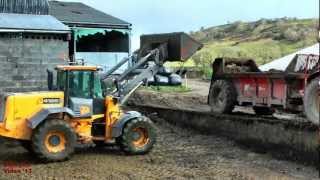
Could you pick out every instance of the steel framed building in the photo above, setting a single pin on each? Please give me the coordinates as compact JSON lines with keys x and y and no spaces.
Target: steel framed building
{"x":97,"y":38}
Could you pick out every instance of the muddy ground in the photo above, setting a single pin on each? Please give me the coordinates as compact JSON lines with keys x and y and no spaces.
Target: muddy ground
{"x":178,"y":154}
{"x":195,"y":100}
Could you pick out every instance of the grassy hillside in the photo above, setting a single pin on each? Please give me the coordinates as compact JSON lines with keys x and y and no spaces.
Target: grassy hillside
{"x":263,"y":40}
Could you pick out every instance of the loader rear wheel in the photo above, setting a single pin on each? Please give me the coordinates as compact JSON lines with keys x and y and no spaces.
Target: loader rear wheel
{"x":54,"y":140}
{"x":311,"y":101}
{"x":263,"y":110}
{"x":222,"y":97}
{"x":138,"y":136}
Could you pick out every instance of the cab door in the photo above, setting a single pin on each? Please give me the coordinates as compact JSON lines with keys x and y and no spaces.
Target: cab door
{"x":99,"y":102}
{"x":80,"y":93}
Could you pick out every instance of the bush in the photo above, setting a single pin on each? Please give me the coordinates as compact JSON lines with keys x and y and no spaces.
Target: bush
{"x":203,"y":60}
{"x":292,"y":35}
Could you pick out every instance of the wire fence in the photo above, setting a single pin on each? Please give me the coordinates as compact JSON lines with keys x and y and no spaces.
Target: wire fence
{"x":39,"y":7}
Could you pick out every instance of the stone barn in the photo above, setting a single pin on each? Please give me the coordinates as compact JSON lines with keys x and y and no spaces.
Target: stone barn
{"x":37,"y":35}
{"x":30,"y":43}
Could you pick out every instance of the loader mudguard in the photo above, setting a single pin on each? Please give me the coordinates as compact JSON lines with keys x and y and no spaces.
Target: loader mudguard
{"x":44,"y":113}
{"x":118,"y":127}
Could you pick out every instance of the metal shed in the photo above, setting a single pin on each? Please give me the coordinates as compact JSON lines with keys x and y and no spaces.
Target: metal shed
{"x":97,"y":38}
{"x":81,"y":15}
{"x":31,"y":23}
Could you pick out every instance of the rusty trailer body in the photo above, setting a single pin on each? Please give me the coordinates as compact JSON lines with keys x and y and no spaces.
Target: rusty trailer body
{"x":240,"y":82}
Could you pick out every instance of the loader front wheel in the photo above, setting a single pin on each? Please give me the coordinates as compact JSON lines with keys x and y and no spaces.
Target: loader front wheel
{"x":138,"y":137}
{"x":54,"y":140}
{"x":27,"y":145}
{"x":222,"y":97}
{"x":311,"y":101}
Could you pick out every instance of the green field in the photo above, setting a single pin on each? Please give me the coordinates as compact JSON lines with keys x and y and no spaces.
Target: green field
{"x":263,"y":41}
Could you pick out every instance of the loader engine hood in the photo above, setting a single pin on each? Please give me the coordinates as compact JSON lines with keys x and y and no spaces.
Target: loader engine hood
{"x":180,"y":46}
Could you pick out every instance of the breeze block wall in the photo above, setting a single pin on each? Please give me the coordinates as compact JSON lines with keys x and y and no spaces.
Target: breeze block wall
{"x":25,"y":58}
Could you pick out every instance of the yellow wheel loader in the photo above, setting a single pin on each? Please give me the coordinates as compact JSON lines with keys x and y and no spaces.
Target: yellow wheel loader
{"x":76,"y":109}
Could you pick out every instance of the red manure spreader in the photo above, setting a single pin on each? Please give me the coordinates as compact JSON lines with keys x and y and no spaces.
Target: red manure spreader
{"x":241,"y":82}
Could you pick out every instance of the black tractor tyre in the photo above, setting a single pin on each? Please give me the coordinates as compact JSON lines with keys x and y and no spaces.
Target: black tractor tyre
{"x":311,"y":101}
{"x":27,"y":145}
{"x":222,"y":97}
{"x":54,"y":140}
{"x":262,"y":110}
{"x":138,"y":136}
{"x":99,"y":144}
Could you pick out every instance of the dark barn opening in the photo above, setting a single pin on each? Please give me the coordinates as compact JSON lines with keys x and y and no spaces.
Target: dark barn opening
{"x":109,"y":41}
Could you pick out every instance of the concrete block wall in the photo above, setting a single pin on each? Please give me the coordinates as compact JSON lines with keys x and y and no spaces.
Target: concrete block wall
{"x":25,"y":58}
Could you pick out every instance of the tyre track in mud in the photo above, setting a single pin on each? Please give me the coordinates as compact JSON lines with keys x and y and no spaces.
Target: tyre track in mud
{"x":178,"y":154}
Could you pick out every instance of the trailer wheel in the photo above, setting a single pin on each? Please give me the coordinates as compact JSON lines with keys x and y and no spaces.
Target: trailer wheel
{"x":311,"y":101}
{"x":263,"y":110}
{"x":54,"y":140}
{"x":222,"y":96}
{"x":138,"y":137}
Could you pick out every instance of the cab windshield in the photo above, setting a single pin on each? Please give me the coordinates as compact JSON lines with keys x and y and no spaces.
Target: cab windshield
{"x":82,"y":84}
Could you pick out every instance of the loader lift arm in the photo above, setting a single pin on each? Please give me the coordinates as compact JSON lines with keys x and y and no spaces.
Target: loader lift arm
{"x":155,"y":51}
{"x":126,"y":84}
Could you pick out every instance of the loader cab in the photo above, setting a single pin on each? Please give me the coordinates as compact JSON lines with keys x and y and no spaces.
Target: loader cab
{"x":82,"y":90}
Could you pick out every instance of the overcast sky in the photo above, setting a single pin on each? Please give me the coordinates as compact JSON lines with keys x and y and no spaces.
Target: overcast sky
{"x":157,"y":16}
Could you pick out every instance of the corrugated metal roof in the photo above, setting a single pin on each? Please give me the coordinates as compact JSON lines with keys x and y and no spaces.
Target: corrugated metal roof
{"x":283,"y":62}
{"x":40,"y":7}
{"x":23,"y":22}
{"x":76,"y":13}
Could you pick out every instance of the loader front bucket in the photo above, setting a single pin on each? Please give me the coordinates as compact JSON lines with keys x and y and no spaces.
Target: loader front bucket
{"x":180,"y":46}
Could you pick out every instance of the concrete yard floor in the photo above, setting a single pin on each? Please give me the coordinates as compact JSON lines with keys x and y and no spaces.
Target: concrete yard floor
{"x":178,"y":154}
{"x":198,"y":87}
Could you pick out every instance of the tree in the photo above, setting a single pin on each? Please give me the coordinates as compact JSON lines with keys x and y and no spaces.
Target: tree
{"x":203,"y":60}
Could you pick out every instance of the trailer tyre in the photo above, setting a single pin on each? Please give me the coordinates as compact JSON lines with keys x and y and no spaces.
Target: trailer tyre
{"x":263,"y":110}
{"x":222,"y":97}
{"x":311,"y":101}
{"x":54,"y":140}
{"x":138,"y":136}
